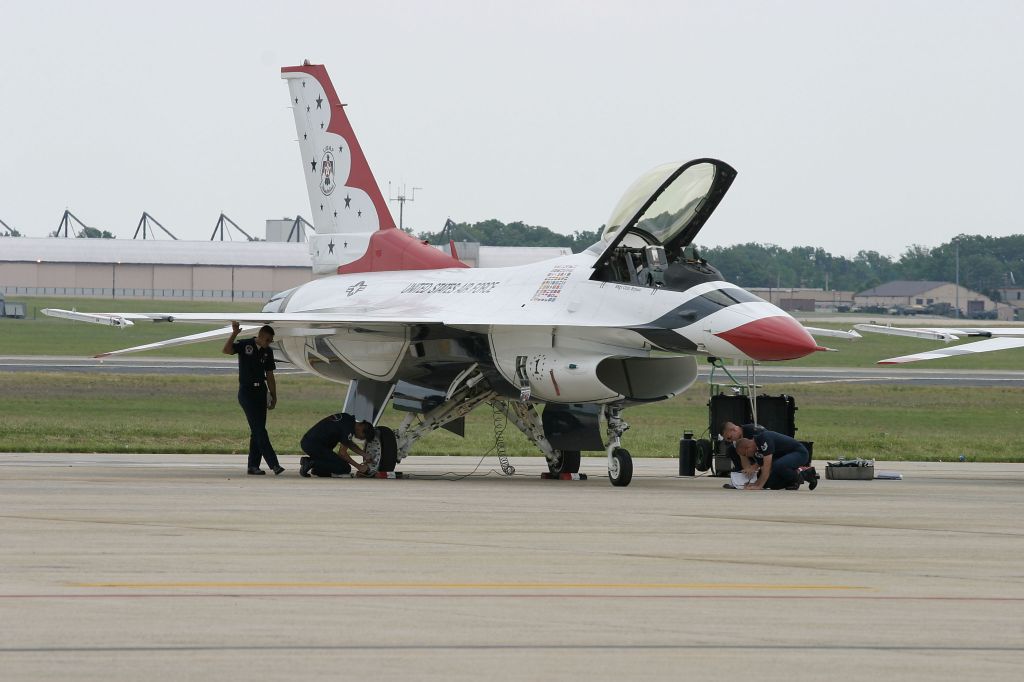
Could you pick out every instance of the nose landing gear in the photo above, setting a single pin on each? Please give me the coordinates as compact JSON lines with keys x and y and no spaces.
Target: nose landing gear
{"x":620,"y":464}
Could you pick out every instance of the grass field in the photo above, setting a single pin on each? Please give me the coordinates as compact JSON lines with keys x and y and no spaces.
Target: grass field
{"x":186,"y":414}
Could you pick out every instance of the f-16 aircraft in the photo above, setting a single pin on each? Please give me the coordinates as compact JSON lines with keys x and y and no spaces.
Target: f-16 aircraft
{"x":584,"y":336}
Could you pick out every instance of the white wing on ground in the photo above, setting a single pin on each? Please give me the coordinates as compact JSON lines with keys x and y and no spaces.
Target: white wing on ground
{"x":222,"y":333}
{"x":835,"y":333}
{"x":996,"y":338}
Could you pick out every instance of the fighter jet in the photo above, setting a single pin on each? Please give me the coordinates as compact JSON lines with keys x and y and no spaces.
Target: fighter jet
{"x":557,"y":346}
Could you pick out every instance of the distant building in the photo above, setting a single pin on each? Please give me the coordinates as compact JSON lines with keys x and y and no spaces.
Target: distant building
{"x":929,"y":296}
{"x":185,"y":270}
{"x":799,"y":299}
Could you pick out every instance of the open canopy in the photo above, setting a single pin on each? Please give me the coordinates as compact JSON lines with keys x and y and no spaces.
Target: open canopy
{"x":668,"y":206}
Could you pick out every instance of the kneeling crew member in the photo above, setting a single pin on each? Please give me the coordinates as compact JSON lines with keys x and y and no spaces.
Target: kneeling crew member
{"x":732,"y":432}
{"x":257,"y":392}
{"x":320,"y":441}
{"x":781,"y":462}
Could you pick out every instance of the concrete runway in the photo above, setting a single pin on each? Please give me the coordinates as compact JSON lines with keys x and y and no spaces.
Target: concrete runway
{"x":766,"y":374}
{"x":173,"y":567}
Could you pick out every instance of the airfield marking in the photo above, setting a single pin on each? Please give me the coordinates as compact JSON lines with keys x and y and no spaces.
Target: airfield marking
{"x":471,"y":586}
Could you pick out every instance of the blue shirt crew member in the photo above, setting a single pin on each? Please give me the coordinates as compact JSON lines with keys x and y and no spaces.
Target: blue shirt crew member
{"x":255,"y":380}
{"x":782,"y":462}
{"x":333,"y":431}
{"x":731,"y":432}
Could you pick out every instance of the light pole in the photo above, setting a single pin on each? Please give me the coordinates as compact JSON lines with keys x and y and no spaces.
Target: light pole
{"x":957,"y":243}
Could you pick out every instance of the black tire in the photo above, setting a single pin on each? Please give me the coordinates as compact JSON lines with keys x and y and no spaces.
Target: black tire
{"x":388,"y":449}
{"x":704,"y":454}
{"x":568,"y":463}
{"x":620,"y":471}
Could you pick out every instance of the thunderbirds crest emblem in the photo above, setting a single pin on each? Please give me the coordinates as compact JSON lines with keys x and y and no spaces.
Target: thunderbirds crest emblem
{"x":327,"y":181}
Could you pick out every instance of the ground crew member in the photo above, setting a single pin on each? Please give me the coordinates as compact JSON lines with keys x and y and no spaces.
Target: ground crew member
{"x":257,"y":392}
{"x":780,"y":462}
{"x":730,"y":433}
{"x":319,"y":442}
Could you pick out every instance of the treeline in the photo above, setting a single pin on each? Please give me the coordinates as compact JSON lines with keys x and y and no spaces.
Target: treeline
{"x":986,"y":263}
{"x":497,"y":233}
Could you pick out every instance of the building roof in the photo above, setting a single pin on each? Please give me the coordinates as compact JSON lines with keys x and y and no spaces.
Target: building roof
{"x":153,"y":252}
{"x":902,"y":288}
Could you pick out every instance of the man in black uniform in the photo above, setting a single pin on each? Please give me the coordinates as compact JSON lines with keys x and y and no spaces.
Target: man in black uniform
{"x":255,"y":380}
{"x":732,"y":432}
{"x":780,"y":461}
{"x":319,"y":442}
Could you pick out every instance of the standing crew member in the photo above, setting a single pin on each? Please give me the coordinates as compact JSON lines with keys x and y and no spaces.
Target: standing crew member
{"x":780,"y":462}
{"x":257,"y":392}
{"x":320,"y":441}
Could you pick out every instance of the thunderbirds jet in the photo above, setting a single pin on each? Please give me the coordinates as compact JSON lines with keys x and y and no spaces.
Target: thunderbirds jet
{"x":583,"y":336}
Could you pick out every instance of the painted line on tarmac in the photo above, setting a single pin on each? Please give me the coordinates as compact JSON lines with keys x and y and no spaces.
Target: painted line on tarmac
{"x":466,"y":586}
{"x":446,"y":648}
{"x":1015,"y":601}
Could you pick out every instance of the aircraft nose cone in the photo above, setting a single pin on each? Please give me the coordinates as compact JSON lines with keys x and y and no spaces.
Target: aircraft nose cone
{"x":772,"y":338}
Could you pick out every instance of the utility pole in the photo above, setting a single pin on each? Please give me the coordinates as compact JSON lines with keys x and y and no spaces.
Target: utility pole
{"x":957,"y":242}
{"x":401,"y":198}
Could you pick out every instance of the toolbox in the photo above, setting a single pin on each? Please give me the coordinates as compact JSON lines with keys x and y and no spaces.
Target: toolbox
{"x":850,"y":470}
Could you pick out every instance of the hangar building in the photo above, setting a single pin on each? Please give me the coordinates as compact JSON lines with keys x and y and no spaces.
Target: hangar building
{"x":183,"y":270}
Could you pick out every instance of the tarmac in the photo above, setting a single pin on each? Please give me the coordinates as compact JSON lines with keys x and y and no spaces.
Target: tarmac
{"x":170,"y":567}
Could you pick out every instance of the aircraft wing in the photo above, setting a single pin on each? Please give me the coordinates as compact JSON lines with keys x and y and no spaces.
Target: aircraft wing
{"x":836,"y":333}
{"x":995,"y":338}
{"x":310,"y":324}
{"x":305,"y":319}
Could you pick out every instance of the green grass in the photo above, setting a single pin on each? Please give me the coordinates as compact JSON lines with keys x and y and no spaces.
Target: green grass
{"x":73,"y":412}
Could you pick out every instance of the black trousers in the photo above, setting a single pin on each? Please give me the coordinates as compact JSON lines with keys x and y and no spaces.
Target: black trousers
{"x":253,"y":400}
{"x":325,"y":461}
{"x":784,"y":470}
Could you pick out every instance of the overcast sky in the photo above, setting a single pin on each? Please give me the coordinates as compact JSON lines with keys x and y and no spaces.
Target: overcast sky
{"x":853,"y":125}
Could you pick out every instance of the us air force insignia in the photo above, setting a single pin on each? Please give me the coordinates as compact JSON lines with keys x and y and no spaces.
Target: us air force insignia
{"x":356,"y":288}
{"x":327,"y":183}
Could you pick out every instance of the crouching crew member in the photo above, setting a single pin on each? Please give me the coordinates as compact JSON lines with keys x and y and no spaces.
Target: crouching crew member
{"x":257,"y":392}
{"x":319,"y":442}
{"x":730,"y":433}
{"x":781,"y":462}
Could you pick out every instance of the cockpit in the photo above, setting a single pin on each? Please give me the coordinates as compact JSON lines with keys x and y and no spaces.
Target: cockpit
{"x":648,"y":239}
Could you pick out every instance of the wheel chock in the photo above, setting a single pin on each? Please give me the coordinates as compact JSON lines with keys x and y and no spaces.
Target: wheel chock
{"x":547,"y":475}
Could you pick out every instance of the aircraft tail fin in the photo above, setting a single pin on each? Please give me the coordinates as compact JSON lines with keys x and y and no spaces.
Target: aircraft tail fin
{"x":355,"y":231}
{"x":343,"y":195}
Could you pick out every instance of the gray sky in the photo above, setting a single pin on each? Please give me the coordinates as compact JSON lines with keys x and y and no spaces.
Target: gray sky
{"x":853,"y":125}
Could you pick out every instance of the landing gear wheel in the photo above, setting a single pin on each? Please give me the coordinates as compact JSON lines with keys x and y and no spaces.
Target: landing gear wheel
{"x":567,"y":463}
{"x":388,"y":449}
{"x":620,"y":468}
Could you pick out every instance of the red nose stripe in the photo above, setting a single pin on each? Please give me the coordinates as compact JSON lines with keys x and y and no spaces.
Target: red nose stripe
{"x":772,"y":338}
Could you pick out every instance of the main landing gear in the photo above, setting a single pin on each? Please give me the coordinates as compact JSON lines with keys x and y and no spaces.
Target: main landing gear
{"x":475,"y":391}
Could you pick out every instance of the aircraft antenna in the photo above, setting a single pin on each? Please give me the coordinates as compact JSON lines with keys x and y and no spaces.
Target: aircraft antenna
{"x":401,"y":197}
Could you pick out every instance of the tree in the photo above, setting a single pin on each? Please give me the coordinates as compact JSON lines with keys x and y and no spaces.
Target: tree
{"x":9,"y":232}
{"x":95,"y":233}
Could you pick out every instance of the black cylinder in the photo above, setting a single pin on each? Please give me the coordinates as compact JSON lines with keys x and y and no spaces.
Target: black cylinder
{"x":687,"y":456}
